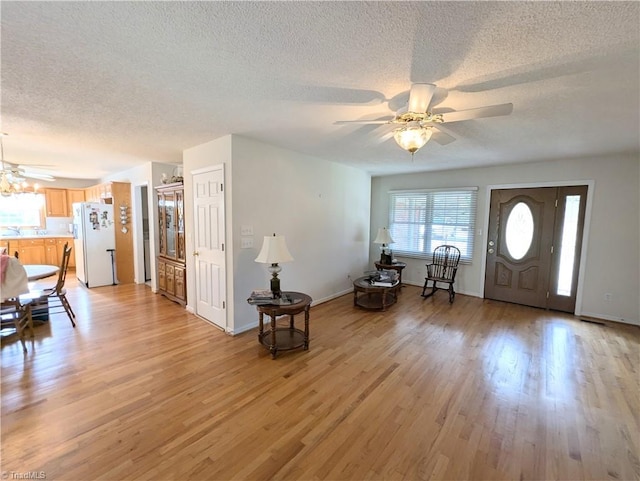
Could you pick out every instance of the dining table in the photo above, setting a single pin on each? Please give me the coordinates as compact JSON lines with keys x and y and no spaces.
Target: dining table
{"x":40,"y":271}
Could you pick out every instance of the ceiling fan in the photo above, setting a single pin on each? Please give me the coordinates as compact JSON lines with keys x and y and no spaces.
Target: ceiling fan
{"x":416,"y":123}
{"x":13,"y":177}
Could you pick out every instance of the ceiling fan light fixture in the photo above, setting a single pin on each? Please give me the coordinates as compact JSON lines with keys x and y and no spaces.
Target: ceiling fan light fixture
{"x":412,"y":137}
{"x":11,"y":180}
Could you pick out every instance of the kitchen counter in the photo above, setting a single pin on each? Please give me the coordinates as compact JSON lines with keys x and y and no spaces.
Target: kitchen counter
{"x":38,"y":249}
{"x":44,"y":236}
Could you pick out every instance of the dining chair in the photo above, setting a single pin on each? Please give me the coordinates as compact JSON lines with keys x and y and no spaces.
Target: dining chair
{"x":16,"y":314}
{"x":57,"y":294}
{"x":442,"y":269}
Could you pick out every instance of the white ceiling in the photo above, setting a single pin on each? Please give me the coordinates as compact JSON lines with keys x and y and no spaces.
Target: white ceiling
{"x":92,"y":88}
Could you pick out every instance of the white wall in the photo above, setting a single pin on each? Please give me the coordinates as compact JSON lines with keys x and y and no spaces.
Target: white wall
{"x":612,"y":243}
{"x":322,"y":208}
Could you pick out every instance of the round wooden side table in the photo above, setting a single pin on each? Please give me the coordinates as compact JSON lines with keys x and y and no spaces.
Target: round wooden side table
{"x":396,"y":266}
{"x":285,"y":338}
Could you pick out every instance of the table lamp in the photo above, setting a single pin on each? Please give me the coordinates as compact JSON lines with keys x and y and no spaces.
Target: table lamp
{"x":385,"y":239}
{"x":274,"y":251}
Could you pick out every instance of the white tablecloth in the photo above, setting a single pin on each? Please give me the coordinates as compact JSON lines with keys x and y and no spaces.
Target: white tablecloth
{"x":14,"y":277}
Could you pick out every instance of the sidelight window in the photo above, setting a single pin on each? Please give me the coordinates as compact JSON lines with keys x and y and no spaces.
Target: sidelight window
{"x":568,"y":243}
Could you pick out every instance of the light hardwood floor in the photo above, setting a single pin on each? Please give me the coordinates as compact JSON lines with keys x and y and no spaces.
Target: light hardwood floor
{"x":143,"y":390}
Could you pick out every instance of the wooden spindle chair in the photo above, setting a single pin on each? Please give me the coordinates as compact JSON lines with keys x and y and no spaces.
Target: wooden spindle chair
{"x":17,"y":314}
{"x":442,"y":270}
{"x":58,"y":292}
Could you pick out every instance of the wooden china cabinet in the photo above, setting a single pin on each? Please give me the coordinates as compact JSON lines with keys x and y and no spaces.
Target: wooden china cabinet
{"x":172,"y":281}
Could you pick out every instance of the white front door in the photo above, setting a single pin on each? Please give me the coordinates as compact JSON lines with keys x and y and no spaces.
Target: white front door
{"x":209,"y":239}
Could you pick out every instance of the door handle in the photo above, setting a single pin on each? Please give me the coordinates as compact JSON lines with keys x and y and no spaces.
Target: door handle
{"x":196,"y":253}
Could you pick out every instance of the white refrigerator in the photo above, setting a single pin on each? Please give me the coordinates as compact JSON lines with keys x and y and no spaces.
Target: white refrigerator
{"x":94,"y":243}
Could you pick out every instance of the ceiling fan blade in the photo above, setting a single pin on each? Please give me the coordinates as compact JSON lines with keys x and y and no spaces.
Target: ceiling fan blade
{"x":441,"y":137}
{"x":372,"y":122}
{"x":38,"y":166}
{"x":479,"y":113}
{"x":384,"y":137}
{"x":420,"y":97}
{"x":34,"y":175}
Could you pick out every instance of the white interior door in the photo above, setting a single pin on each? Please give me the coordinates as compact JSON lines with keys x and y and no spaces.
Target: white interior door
{"x":209,"y":239}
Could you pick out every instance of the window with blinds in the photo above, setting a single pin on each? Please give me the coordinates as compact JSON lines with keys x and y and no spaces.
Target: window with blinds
{"x":420,"y":221}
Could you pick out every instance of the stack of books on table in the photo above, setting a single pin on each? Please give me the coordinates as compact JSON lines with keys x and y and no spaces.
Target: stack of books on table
{"x":385,"y":278}
{"x":261,"y":296}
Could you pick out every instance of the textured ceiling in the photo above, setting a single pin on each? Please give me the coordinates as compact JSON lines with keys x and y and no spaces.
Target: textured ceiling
{"x":91,"y":88}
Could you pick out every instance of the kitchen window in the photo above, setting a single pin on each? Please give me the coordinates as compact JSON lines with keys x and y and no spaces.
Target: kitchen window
{"x":22,"y":210}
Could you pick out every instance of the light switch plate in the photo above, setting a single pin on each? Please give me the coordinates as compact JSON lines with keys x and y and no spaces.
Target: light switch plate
{"x":246,"y":230}
{"x":246,"y":242}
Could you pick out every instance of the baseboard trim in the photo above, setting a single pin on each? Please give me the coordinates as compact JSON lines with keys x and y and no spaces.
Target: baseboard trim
{"x":331,"y":297}
{"x":463,"y":292}
{"x":604,"y":317}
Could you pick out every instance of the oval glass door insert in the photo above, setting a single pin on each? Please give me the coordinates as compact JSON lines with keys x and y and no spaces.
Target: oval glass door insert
{"x":519,"y":231}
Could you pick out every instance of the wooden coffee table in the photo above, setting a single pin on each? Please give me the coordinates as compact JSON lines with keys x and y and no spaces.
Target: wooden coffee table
{"x":371,"y":297}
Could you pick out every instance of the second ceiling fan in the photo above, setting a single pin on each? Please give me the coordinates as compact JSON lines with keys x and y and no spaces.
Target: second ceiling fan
{"x":416,"y":122}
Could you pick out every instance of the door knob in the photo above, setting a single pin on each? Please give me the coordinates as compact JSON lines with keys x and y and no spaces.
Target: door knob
{"x":491,"y":243}
{"x":196,"y":253}
{"x":490,"y":251}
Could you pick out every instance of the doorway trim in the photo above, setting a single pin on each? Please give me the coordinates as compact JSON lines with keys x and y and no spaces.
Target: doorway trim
{"x":585,"y":238}
{"x":138,"y":234}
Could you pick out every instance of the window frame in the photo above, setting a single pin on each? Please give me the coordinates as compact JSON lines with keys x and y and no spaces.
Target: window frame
{"x":429,"y":206}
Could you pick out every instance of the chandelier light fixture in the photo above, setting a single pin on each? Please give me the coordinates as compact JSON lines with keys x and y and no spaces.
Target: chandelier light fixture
{"x":412,"y":136}
{"x":11,"y":182}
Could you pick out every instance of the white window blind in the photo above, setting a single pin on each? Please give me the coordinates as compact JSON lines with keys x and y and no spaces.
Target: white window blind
{"x":420,"y":221}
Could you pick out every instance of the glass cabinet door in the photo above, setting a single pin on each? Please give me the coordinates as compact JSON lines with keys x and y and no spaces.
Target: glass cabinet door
{"x":179,"y":226}
{"x":170,"y":221}
{"x":162,"y":231}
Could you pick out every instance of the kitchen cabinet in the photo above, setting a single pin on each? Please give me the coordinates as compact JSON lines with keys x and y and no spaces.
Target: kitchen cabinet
{"x":91,"y":194}
{"x":171,"y":259}
{"x":40,"y":250}
{"x":31,"y":251}
{"x":73,"y":196}
{"x":101,"y":192}
{"x":60,"y":242}
{"x":5,"y":246}
{"x":56,"y":202}
{"x":51,"y":252}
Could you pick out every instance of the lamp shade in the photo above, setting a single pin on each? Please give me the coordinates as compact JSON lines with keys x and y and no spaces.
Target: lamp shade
{"x":412,"y":137}
{"x":383,"y":237}
{"x":274,"y":250}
